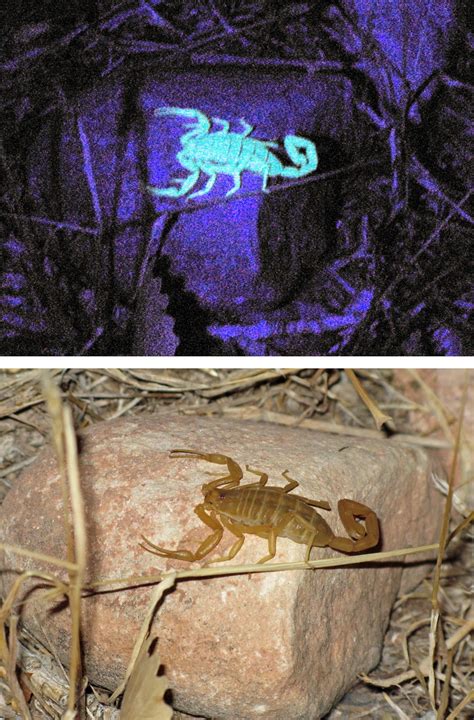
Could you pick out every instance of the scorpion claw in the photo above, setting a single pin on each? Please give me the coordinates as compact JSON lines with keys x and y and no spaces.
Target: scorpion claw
{"x":162,"y":552}
{"x":147,"y":545}
{"x":185,"y":453}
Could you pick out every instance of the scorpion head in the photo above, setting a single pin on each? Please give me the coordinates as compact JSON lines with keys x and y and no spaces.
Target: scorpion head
{"x":216,"y":499}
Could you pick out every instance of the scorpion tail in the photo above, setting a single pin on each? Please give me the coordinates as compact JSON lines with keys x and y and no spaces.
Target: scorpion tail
{"x":304,"y":155}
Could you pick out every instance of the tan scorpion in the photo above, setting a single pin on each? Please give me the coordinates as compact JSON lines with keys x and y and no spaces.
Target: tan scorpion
{"x":268,"y":512}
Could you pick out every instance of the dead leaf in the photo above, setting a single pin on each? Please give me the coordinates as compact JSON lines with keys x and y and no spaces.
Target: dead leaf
{"x":143,"y":698}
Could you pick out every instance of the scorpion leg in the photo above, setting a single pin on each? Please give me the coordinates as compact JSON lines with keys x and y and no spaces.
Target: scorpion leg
{"x":188,"y":183}
{"x":237,"y":184}
{"x":291,"y":483}
{"x":272,"y":537}
{"x":207,"y":188}
{"x":204,"y":548}
{"x":224,"y":123}
{"x":263,"y":477}
{"x":265,"y":181}
{"x":317,"y":503}
{"x":309,"y":547}
{"x":236,"y":529}
{"x":294,"y":483}
{"x":247,"y":127}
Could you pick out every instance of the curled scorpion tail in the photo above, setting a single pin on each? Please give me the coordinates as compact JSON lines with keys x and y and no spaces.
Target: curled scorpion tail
{"x":304,"y":155}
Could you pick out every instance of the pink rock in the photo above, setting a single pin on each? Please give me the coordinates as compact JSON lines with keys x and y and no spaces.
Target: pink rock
{"x":447,"y":385}
{"x":283,"y":645}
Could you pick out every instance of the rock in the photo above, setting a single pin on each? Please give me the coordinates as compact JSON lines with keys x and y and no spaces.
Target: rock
{"x":283,"y":646}
{"x":447,"y":385}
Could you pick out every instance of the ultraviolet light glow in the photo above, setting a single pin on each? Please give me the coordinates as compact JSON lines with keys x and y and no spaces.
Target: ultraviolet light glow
{"x":231,"y":153}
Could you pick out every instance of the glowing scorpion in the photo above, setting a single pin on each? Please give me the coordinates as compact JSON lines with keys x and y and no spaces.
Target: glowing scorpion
{"x":230,"y":153}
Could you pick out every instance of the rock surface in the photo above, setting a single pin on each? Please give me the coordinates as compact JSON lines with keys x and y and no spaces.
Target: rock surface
{"x":283,"y":646}
{"x":447,"y":384}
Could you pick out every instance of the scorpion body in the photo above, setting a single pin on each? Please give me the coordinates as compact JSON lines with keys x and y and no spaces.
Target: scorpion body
{"x":269,"y":512}
{"x":231,"y":153}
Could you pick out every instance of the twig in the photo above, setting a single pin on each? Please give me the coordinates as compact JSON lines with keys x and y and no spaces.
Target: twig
{"x":379,"y":417}
{"x":426,"y":180}
{"x":16,"y":466}
{"x":460,"y":706}
{"x":424,"y":665}
{"x":218,"y":571}
{"x":57,"y":224}
{"x":51,"y":560}
{"x":435,"y":612}
{"x":66,"y":448}
{"x":199,"y":205}
{"x":89,"y":172}
{"x":10,"y":662}
{"x":259,"y":415}
{"x":311,"y":66}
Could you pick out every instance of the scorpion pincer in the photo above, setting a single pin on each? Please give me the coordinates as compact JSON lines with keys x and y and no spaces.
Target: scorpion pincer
{"x":268,"y":512}
{"x":231,"y":153}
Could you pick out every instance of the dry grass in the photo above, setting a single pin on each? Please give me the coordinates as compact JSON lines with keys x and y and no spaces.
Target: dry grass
{"x":425,"y":668}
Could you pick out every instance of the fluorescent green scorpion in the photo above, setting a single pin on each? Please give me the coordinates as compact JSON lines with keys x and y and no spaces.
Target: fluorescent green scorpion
{"x":229,"y":153}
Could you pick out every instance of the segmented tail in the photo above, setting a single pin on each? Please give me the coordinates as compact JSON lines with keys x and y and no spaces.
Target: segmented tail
{"x":304,"y":155}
